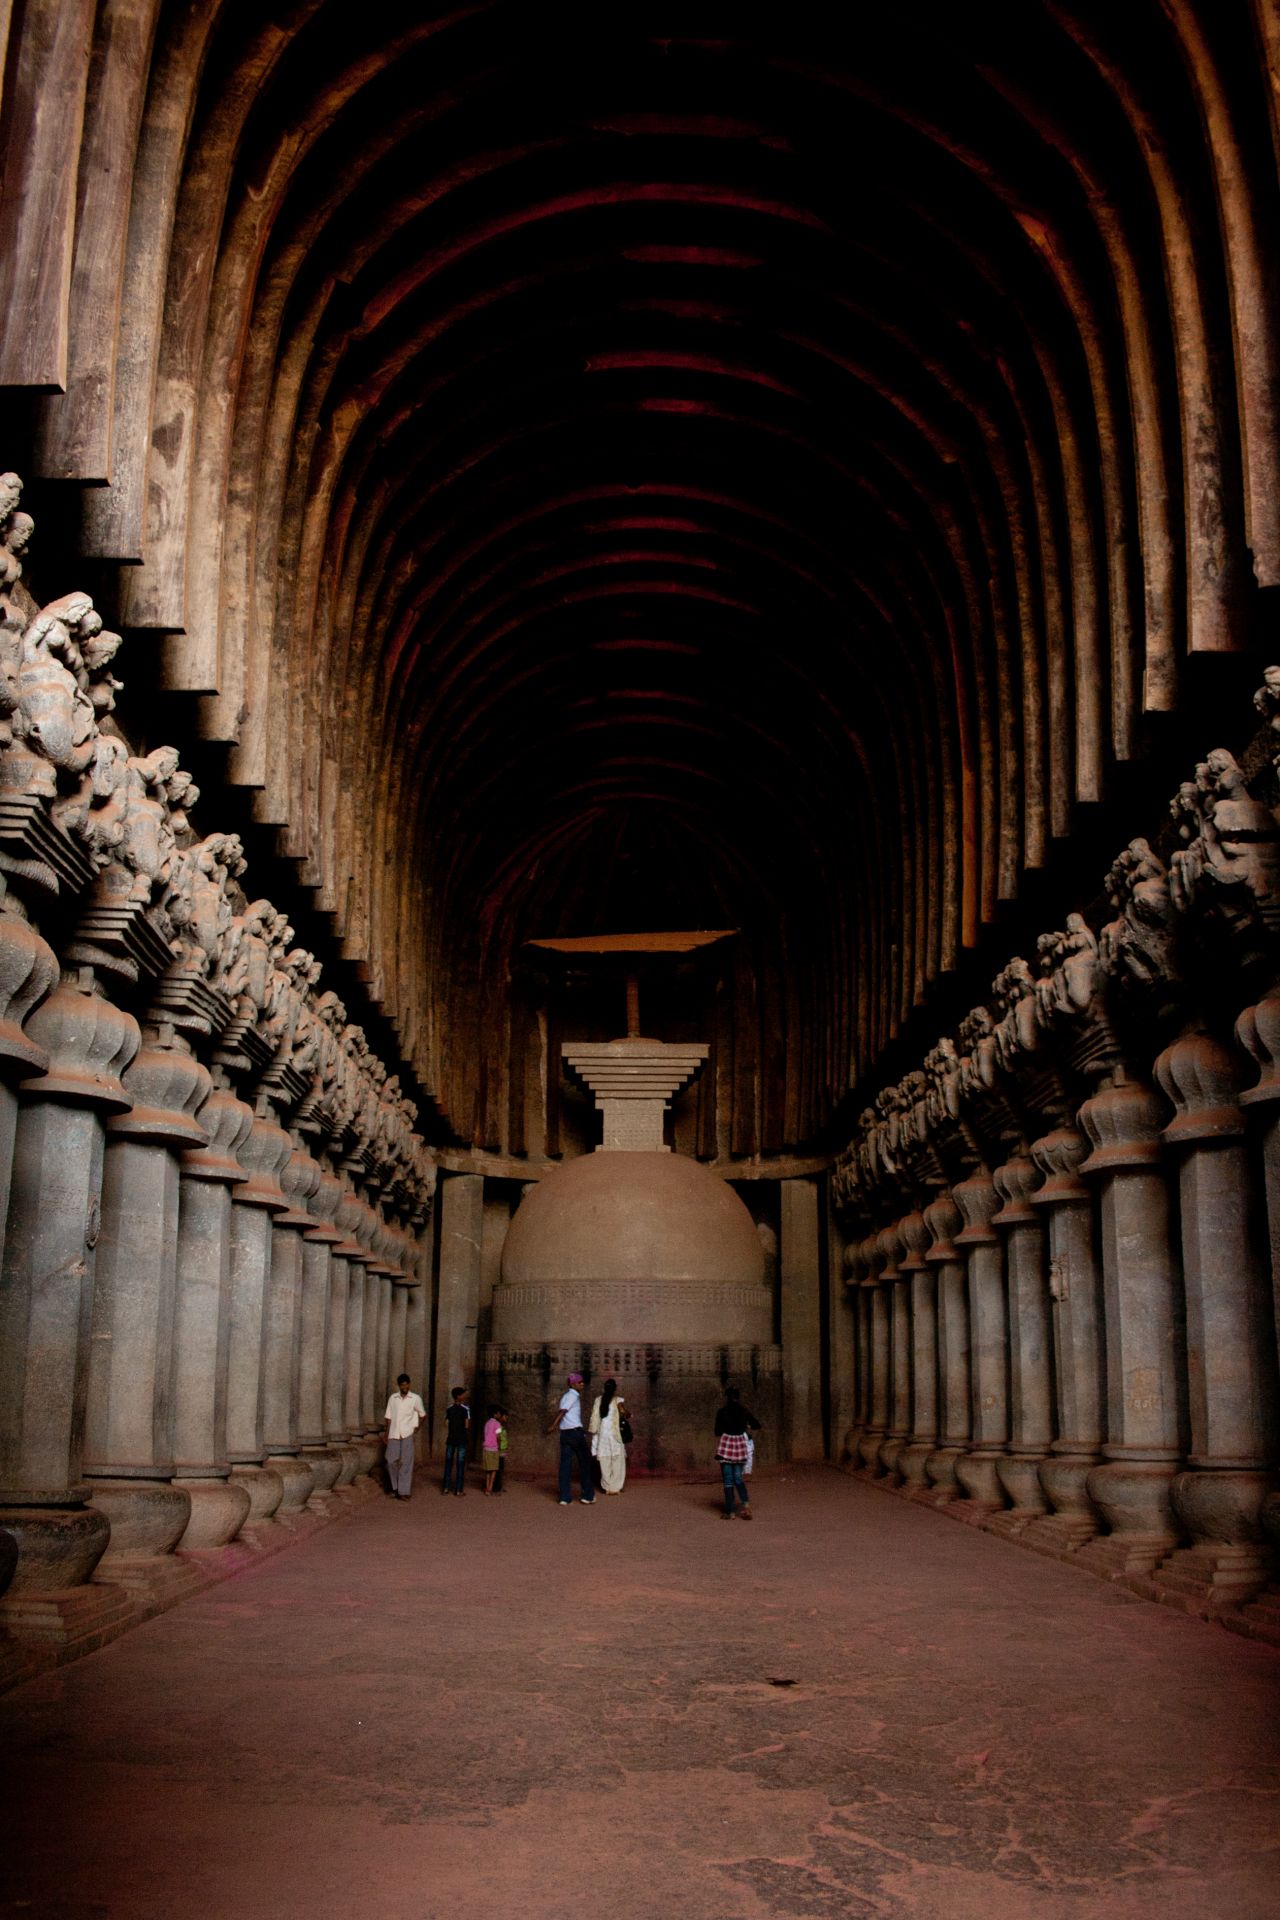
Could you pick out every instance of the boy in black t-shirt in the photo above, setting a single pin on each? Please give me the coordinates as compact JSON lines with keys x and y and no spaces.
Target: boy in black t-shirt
{"x":457,"y":1421}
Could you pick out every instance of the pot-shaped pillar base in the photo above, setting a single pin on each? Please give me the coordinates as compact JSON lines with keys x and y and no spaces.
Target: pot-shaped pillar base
{"x":912,"y":1462}
{"x":219,"y":1508}
{"x":148,"y":1517}
{"x":325,"y":1464}
{"x":265,"y":1489}
{"x":1072,"y":1518}
{"x":940,"y":1469}
{"x":1229,"y":1560}
{"x":890,"y":1450}
{"x":50,"y":1607}
{"x":869,"y":1453}
{"x":58,"y":1547}
{"x":1019,"y":1475}
{"x":1133,"y":1498}
{"x":298,"y":1482}
{"x":978,"y":1476}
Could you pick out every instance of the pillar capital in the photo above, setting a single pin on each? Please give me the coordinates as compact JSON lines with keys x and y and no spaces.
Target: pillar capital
{"x":944,"y":1221}
{"x":264,"y":1154}
{"x":28,"y":968}
{"x":979,"y":1203}
{"x":1202,"y":1078}
{"x":225,"y":1122}
{"x":1123,"y":1124}
{"x":89,"y":1042}
{"x":1015,"y":1182}
{"x":913,"y":1231}
{"x":1059,"y":1156}
{"x":890,"y":1241}
{"x":1258,"y":1031}
{"x":168,"y":1086}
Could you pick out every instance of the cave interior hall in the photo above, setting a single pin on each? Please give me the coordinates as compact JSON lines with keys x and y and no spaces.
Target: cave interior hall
{"x":639,"y":735}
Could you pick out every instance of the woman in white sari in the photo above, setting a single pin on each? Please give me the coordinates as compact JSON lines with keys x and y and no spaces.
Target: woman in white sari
{"x":606,"y":1437}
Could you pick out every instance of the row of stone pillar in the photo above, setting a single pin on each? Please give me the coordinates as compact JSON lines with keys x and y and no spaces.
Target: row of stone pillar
{"x":1079,"y":1345}
{"x":200,"y":1320}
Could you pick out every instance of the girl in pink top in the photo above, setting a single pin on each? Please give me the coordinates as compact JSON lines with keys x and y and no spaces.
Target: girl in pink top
{"x":490,"y":1447}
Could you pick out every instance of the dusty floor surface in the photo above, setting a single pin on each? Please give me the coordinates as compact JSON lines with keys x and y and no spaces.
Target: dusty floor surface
{"x":497,"y":1707}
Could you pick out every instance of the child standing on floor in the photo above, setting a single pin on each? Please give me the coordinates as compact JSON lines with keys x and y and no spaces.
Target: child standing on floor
{"x":492,"y":1454}
{"x":498,"y":1486}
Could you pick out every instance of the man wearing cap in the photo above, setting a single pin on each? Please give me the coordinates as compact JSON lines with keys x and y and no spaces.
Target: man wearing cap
{"x":573,"y":1445}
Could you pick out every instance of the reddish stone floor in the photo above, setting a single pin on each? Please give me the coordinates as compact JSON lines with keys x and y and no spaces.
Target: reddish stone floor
{"x":491,"y":1708}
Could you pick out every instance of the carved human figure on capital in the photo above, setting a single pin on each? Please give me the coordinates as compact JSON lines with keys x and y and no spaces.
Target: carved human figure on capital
{"x":1229,"y":863}
{"x":1267,"y":698}
{"x":206,"y":935}
{"x":976,"y":1044}
{"x":1014,"y":991}
{"x":1139,"y":945}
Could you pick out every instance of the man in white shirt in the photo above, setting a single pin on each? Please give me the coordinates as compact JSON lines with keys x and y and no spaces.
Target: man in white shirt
{"x":405,"y":1414}
{"x":573,"y":1446}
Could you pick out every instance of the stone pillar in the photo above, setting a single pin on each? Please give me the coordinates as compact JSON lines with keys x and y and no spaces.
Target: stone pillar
{"x":1075,"y":1292}
{"x":944,"y":1221}
{"x":282,"y":1339}
{"x":1146,"y":1408}
{"x":129,"y":1424}
{"x":264,"y":1152}
{"x":899,"y":1301}
{"x":397,"y":1362}
{"x":417,"y":1324}
{"x":46,"y":1304}
{"x":1231,"y":1353}
{"x":317,"y":1323}
{"x":922,"y":1281}
{"x":878,"y":1356}
{"x":384,"y":1376}
{"x":1258,"y":1031}
{"x":801,"y":1300}
{"x":461,"y":1217}
{"x":369,"y":1355}
{"x":842,"y":1334}
{"x":1030,"y":1358}
{"x":361,"y":1324}
{"x":860,"y":1303}
{"x":977,"y":1471}
{"x":354,"y":1347}
{"x":202,"y":1325}
{"x":28,"y":969}
{"x":356,"y":1260}
{"x":337,"y":1369}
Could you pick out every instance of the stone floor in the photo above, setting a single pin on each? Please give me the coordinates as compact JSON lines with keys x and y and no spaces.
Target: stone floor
{"x":849,"y":1707}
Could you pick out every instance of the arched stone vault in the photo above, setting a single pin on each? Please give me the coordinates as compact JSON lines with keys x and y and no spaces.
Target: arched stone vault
{"x":730,"y":454}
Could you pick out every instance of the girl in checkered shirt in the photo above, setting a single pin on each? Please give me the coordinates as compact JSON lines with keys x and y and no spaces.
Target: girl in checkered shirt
{"x":733,"y":1423}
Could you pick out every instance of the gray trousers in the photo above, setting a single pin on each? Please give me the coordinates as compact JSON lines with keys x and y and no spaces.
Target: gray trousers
{"x":400,"y":1465}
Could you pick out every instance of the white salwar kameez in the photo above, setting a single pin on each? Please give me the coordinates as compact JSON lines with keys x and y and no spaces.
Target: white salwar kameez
{"x":606,"y":1444}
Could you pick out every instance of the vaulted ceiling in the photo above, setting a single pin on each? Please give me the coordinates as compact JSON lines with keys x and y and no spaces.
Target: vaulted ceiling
{"x":662,"y":465}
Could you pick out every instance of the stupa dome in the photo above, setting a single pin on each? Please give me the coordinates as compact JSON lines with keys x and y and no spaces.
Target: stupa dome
{"x":632,"y":1247}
